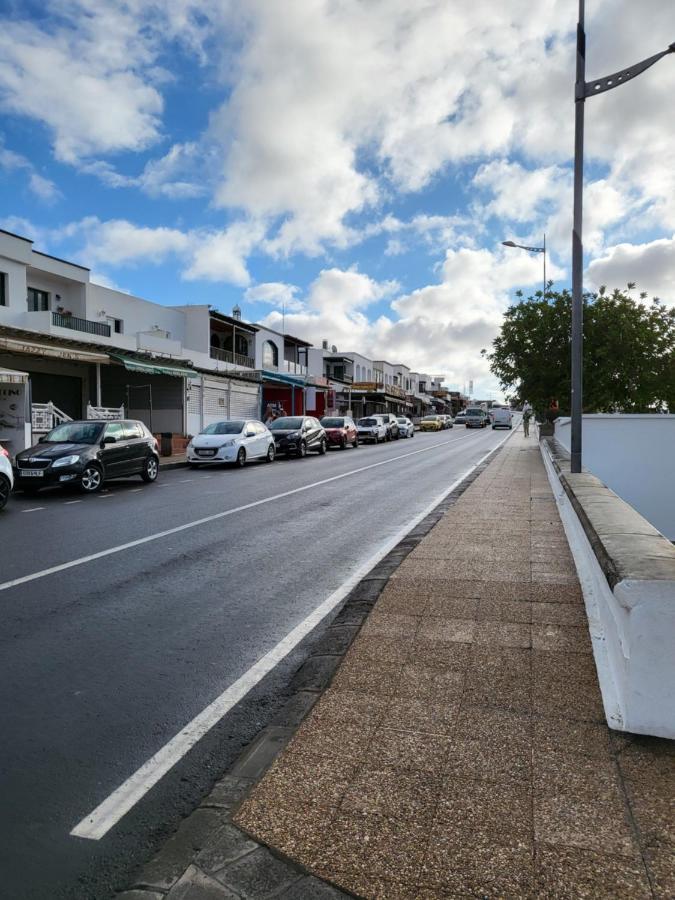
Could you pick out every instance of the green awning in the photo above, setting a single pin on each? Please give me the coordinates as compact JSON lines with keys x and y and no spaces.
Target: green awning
{"x":148,"y":368}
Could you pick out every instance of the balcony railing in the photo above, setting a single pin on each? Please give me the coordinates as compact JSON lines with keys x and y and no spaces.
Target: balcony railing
{"x":235,"y":359}
{"x":293,"y":368}
{"x":80,"y":324}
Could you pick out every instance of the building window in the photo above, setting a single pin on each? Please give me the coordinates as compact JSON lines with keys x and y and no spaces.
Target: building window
{"x":370,"y":375}
{"x":118,"y":326}
{"x":358,"y":372}
{"x":38,"y":301}
{"x":270,"y":355}
{"x":3,"y":289}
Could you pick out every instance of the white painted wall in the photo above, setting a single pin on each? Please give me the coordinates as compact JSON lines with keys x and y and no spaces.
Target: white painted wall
{"x":635,"y":456}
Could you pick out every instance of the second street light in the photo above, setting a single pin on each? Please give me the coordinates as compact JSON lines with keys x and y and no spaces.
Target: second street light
{"x":531,"y":250}
{"x":584,"y":89}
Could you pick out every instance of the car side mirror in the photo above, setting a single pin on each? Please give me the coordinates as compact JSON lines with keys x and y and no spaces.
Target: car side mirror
{"x":249,"y":433}
{"x":109,"y":439}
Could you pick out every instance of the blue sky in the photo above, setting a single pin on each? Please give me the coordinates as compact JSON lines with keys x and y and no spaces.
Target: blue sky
{"x":357,"y":162}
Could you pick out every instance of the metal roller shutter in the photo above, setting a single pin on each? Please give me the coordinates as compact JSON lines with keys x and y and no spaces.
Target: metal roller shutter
{"x":245,"y":400}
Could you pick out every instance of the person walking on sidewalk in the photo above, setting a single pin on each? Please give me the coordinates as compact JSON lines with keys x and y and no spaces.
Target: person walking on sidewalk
{"x":527,"y":415}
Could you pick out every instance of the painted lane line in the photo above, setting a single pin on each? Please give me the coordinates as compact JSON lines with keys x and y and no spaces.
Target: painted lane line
{"x":101,"y":554}
{"x":135,"y":490}
{"x":69,"y":502}
{"x":33,"y":509}
{"x":108,"y":813}
{"x":185,"y":480}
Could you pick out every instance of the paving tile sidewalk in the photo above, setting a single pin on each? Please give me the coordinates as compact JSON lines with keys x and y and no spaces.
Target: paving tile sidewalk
{"x":461,"y":748}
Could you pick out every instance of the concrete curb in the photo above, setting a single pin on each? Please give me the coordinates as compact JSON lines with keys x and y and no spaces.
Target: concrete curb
{"x":208,"y":858}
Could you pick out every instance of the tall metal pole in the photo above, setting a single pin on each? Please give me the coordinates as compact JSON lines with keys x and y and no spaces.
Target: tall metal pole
{"x":577,"y":245}
{"x":544,"y":268}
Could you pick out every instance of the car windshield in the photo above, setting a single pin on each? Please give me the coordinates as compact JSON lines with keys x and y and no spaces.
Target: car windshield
{"x":474,"y":412}
{"x":75,"y":433}
{"x":332,"y":423}
{"x":368,"y":423}
{"x":233,"y":427}
{"x":286,"y":423}
{"x":402,"y":421}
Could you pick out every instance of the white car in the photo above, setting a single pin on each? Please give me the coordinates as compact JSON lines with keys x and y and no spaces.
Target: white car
{"x":234,"y":441}
{"x":371,"y":428}
{"x":501,"y":417}
{"x":406,"y":429}
{"x":6,"y":477}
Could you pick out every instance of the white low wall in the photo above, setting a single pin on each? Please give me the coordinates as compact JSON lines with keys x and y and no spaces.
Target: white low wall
{"x":635,"y":456}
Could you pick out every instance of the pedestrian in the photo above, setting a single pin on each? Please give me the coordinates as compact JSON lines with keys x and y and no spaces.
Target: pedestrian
{"x":270,"y":415}
{"x":527,"y":415}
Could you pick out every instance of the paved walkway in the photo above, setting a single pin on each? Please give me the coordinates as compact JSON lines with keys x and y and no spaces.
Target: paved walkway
{"x":461,"y":749}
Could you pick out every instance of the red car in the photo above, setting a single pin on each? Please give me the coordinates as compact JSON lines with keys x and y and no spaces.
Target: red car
{"x":340,"y":431}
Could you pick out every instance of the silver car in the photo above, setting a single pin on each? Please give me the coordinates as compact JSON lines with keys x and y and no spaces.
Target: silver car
{"x":406,"y":429}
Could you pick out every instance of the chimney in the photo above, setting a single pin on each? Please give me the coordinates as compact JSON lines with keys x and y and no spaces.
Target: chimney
{"x":236,"y":312}
{"x":324,"y":345}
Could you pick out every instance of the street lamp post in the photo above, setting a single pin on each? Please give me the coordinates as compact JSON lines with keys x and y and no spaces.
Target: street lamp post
{"x":582,"y":90}
{"x":531,"y":250}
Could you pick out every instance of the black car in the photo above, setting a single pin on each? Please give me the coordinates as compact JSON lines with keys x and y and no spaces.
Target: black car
{"x":298,"y":435}
{"x":86,"y":454}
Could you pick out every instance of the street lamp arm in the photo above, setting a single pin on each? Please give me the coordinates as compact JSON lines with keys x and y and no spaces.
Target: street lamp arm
{"x":599,"y":86}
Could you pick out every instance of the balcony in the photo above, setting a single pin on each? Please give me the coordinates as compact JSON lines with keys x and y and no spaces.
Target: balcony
{"x":293,"y":368}
{"x":235,"y":359}
{"x":76,"y":324}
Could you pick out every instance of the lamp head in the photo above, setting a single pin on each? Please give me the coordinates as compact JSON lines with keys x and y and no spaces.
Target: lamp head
{"x":509,"y":244}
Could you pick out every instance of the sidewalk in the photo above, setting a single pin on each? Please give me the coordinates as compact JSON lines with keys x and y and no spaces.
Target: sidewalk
{"x":461,"y":749}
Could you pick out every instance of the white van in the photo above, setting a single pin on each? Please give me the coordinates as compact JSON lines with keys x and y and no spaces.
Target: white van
{"x":501,"y":417}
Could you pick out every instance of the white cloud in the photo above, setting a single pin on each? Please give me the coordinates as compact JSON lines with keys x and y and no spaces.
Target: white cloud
{"x":651,"y":266}
{"x":42,"y":187}
{"x":221,"y":256}
{"x":275,"y":293}
{"x":173,"y":176}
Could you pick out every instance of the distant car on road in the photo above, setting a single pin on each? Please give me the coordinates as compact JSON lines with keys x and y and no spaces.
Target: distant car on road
{"x":501,"y":417}
{"x":297,"y":435}
{"x":476,"y":417}
{"x":406,"y":429}
{"x":6,"y":477}
{"x":431,"y":423}
{"x":460,"y":418}
{"x":340,"y":431}
{"x":234,"y":441}
{"x":371,"y":428}
{"x":446,"y":421}
{"x":86,"y":454}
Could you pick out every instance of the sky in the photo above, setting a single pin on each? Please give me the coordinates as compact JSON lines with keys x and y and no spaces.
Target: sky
{"x":356,"y":163}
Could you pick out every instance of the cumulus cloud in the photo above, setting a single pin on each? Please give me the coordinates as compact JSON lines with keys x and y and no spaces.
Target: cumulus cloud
{"x":275,"y":293}
{"x":650,"y":265}
{"x":42,"y":187}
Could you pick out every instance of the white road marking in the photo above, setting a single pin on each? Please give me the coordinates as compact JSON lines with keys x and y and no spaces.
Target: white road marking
{"x":97,"y":824}
{"x":185,"y":480}
{"x":33,"y":509}
{"x":69,"y":502}
{"x":62,"y":567}
{"x":135,"y":490}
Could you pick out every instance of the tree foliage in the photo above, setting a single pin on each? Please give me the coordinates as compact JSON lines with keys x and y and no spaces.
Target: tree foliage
{"x":629,"y":352}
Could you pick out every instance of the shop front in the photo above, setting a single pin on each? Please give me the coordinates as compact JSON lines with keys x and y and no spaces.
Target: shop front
{"x":15,"y":430}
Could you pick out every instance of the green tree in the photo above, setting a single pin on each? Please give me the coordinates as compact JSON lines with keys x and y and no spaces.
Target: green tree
{"x":629,"y":352}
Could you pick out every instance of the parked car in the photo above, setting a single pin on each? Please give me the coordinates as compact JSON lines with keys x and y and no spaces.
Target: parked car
{"x":86,"y":454}
{"x":476,"y":417}
{"x":431,"y":423}
{"x":298,"y":435}
{"x":6,"y":477}
{"x":371,"y":428}
{"x":234,"y":441}
{"x":406,"y":428}
{"x":501,"y":417}
{"x":460,"y":418}
{"x":340,"y":431}
{"x":446,"y":420}
{"x":390,"y":422}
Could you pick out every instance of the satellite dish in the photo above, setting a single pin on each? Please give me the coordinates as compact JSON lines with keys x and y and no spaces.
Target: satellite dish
{"x":333,"y":349}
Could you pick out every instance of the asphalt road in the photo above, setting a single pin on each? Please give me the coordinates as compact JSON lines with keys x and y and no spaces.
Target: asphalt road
{"x":104,"y":662}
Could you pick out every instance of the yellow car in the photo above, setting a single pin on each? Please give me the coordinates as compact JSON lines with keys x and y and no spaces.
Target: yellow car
{"x":431,"y":423}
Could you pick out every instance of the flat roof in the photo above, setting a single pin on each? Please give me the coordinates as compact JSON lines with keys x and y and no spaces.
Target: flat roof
{"x":58,"y":259}
{"x":18,"y":236}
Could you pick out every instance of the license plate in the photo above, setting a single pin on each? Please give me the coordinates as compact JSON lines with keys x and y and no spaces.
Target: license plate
{"x":32,"y":473}
{"x":206,"y":452}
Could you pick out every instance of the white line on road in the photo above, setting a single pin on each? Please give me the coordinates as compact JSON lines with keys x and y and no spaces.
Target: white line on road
{"x":68,"y":502}
{"x":33,"y":509}
{"x":97,"y":824}
{"x":82,"y":560}
{"x":135,"y":490}
{"x":185,"y":480}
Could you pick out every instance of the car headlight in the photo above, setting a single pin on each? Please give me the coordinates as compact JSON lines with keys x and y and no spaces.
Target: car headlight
{"x":227,"y":444}
{"x":65,"y":461}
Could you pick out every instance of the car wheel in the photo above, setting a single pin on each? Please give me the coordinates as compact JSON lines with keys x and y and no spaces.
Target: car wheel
{"x":5,"y":490}
{"x":271,"y":453}
{"x":343,"y":444}
{"x":150,"y":470}
{"x":322,"y":448}
{"x":355,"y":443}
{"x":91,"y":479}
{"x":241,"y":458}
{"x":302,"y":450}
